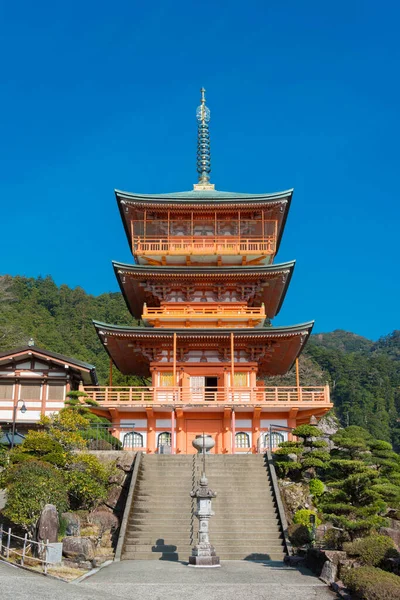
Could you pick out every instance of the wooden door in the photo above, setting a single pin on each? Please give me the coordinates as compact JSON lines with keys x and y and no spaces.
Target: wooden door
{"x":208,"y":426}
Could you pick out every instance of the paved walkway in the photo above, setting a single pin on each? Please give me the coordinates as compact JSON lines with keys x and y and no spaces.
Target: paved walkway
{"x":162,"y":580}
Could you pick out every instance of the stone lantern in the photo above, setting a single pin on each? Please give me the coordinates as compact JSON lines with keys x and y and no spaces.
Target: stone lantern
{"x":203,"y":554}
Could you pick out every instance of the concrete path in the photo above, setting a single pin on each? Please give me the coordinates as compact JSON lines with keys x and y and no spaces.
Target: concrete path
{"x":164,"y":580}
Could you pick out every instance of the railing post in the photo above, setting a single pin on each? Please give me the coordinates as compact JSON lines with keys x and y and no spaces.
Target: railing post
{"x":24,"y":549}
{"x":1,"y":539}
{"x":8,"y":543}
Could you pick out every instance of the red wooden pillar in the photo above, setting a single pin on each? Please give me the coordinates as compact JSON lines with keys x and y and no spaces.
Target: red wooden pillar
{"x":233,"y":428}
{"x":173,"y":431}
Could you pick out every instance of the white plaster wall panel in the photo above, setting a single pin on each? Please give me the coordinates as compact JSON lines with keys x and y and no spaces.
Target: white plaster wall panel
{"x":268,"y":422}
{"x":5,"y":403}
{"x":163,"y":423}
{"x":134,"y":422}
{"x":54,"y":404}
{"x":6,"y":415}
{"x":31,"y":374}
{"x":48,"y":413}
{"x":30,"y":415}
{"x":243,"y":424}
{"x":8,"y":373}
{"x":24,"y":365}
{"x":56,"y":374}
{"x":29,"y":405}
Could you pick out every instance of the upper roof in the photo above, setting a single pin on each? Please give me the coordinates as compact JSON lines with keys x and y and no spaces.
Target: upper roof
{"x":88,"y":371}
{"x":201,"y":195}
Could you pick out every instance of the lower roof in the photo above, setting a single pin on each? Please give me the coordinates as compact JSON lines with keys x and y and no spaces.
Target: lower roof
{"x":132,"y":349}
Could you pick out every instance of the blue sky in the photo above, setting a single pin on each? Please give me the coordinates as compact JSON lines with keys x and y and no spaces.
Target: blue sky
{"x":99,"y":95}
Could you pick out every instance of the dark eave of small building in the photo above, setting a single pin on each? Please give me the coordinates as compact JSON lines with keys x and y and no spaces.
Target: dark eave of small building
{"x":53,"y":356}
{"x":201,"y":199}
{"x":250,"y":271}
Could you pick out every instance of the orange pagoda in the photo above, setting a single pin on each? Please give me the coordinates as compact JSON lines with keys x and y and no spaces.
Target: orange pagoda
{"x":204,"y":285}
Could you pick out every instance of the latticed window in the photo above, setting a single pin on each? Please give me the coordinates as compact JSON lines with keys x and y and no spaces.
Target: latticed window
{"x":55,"y":391}
{"x":133,"y":439}
{"x":242,"y":440}
{"x":31,"y":391}
{"x":240,"y":379}
{"x":164,"y":439}
{"x":167,"y":379}
{"x":6,"y":390}
{"x":276,"y":439}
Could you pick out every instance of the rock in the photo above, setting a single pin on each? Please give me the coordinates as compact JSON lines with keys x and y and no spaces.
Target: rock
{"x":113,"y":495}
{"x":106,"y":520}
{"x":294,"y":561}
{"x":295,"y":496}
{"x":125,"y":461}
{"x":118,"y":477}
{"x":392,"y":533}
{"x":73,"y":524}
{"x":78,"y":549}
{"x":328,"y":425}
{"x":316,"y":561}
{"x":341,"y":590}
{"x":48,"y":524}
{"x":394,"y":524}
{"x":329,"y":572}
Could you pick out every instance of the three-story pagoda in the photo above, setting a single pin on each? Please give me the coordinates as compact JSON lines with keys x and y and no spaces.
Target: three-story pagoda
{"x":204,"y":285}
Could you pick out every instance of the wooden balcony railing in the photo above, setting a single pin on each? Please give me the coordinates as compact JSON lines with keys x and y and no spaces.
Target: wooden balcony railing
{"x":200,"y":311}
{"x":258,"y":395}
{"x":188,"y":245}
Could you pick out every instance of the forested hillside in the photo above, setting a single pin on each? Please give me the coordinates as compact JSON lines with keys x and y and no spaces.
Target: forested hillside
{"x":364,"y":375}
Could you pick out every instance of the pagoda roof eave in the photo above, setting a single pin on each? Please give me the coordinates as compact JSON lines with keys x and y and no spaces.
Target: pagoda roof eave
{"x":201,"y":199}
{"x":134,"y":296}
{"x":205,"y":195}
{"x":217,"y":332}
{"x":117,"y":340}
{"x":171,"y":270}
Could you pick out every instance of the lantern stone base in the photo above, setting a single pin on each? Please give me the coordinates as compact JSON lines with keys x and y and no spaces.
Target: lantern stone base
{"x":203,"y":555}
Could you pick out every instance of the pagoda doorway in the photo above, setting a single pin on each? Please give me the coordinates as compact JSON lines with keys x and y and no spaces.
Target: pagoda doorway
{"x":204,"y":388}
{"x":209,"y":427}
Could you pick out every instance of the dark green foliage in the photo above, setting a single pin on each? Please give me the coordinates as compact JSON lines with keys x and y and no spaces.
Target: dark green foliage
{"x":299,"y":535}
{"x":370,"y":583}
{"x":372,"y":550}
{"x":30,"y":485}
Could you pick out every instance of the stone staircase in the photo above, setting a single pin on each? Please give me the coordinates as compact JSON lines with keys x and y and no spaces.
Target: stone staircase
{"x":161,"y":522}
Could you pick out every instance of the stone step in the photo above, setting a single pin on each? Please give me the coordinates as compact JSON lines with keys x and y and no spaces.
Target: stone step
{"x":275,"y":555}
{"x":221,"y":539}
{"x":234,"y":546}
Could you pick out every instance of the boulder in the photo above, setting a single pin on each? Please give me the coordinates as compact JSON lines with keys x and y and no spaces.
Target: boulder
{"x":392,"y":533}
{"x":125,"y":461}
{"x":106,"y":520}
{"x":317,"y":561}
{"x":295,"y":496}
{"x":73,"y":524}
{"x":394,"y":524}
{"x":113,"y":495}
{"x":78,"y":548}
{"x":48,"y":524}
{"x":118,"y":477}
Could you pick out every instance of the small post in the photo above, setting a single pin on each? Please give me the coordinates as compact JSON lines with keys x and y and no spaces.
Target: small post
{"x":297,"y":379}
{"x":110,"y":378}
{"x":233,"y":427}
{"x":313,"y":529}
{"x":232,"y":363}
{"x":45,"y":556}
{"x":1,"y":539}
{"x":174,"y":362}
{"x":8,"y":543}
{"x":24,"y":549}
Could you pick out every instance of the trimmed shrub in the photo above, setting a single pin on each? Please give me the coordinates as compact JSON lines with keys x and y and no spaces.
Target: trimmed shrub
{"x":317,"y":488}
{"x":31,"y":485}
{"x":299,"y":535}
{"x":87,"y":480}
{"x":302,"y":517}
{"x":370,"y":583}
{"x":372,"y":550}
{"x":335,"y":538}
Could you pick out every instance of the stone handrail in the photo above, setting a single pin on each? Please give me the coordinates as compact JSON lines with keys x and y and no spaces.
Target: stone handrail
{"x":128,"y":505}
